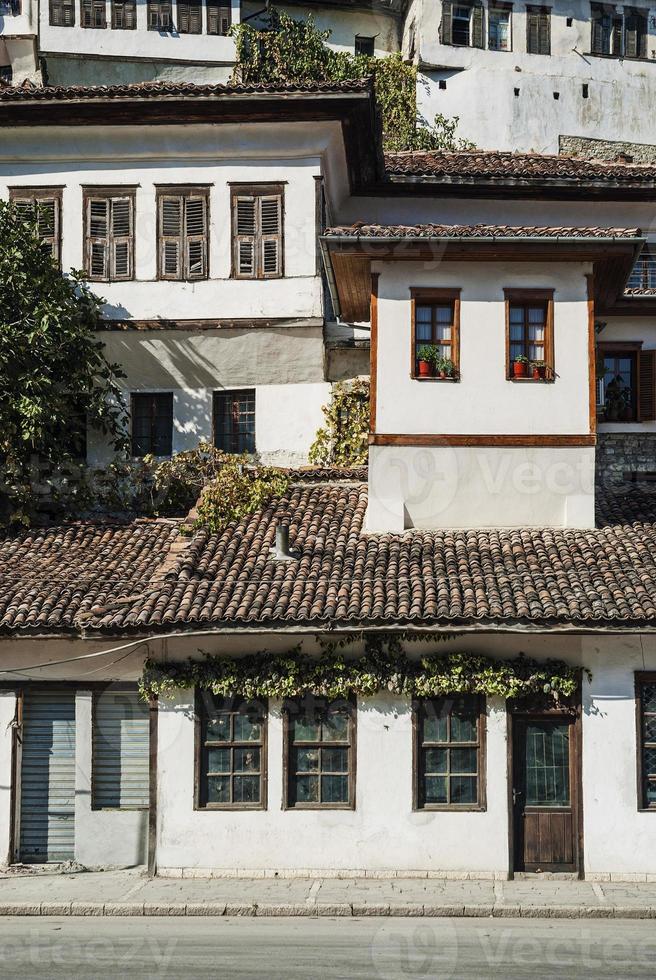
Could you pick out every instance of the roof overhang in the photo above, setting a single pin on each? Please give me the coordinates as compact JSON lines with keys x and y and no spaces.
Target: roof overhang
{"x":551,"y":188}
{"x":348,"y":260}
{"x":352,"y":104}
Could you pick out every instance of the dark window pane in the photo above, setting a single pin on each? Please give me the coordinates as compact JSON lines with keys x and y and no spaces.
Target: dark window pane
{"x":218,"y":728}
{"x":463,"y":789}
{"x":247,"y":760}
{"x":335,"y":726}
{"x":246,"y":729}
{"x":306,"y":730}
{"x":234,"y":421}
{"x":218,"y":760}
{"x":246,"y":789}
{"x":152,"y":424}
{"x":463,"y":760}
{"x":435,"y":725}
{"x":463,"y":723}
{"x":650,"y":728}
{"x":218,"y":789}
{"x":307,"y":760}
{"x":547,"y":764}
{"x":334,"y":760}
{"x":435,"y":760}
{"x":435,"y":789}
{"x":307,"y":789}
{"x":334,"y":789}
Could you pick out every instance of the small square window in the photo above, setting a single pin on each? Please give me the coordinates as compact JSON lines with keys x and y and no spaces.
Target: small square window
{"x":364,"y":45}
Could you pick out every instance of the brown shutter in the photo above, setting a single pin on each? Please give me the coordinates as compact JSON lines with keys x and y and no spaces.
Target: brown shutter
{"x":98,"y":238}
{"x":647,"y":386}
{"x":532,"y":31}
{"x":270,"y":227}
{"x":196,"y":237}
{"x":170,"y":235}
{"x":245,"y":231}
{"x":597,"y":43}
{"x":121,"y":243}
{"x":447,"y":21}
{"x":477,"y":35}
{"x":544,"y":32}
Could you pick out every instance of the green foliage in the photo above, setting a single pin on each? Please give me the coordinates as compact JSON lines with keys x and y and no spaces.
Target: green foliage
{"x":383,"y":667}
{"x":342,"y":440}
{"x":238,"y":489}
{"x":52,"y":365}
{"x":294,"y":51}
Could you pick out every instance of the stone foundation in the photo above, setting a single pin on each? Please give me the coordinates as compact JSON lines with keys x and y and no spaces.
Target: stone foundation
{"x":619,"y":453}
{"x":596,"y":149}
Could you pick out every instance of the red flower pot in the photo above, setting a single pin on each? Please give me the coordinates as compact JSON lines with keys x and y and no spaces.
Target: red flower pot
{"x":425,"y":369}
{"x":520,"y":370}
{"x":539,"y":372}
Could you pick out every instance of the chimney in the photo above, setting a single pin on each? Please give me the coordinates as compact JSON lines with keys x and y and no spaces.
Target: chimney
{"x":281,"y":551}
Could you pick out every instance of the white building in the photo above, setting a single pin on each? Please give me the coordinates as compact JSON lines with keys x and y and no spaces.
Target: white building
{"x":19,"y":59}
{"x":475,"y":531}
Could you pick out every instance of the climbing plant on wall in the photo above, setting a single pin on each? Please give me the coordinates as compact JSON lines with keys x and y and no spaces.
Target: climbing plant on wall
{"x":342,"y":440}
{"x":285,"y":50}
{"x":384,"y":666}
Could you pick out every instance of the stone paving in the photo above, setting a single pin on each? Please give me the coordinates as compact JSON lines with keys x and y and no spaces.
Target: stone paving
{"x":132,"y":892}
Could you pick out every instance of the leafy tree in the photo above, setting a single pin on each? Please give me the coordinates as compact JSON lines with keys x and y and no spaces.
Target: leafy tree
{"x":294,"y":51}
{"x":53,"y":371}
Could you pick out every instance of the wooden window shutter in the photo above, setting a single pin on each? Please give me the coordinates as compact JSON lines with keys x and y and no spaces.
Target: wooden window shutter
{"x":196,"y":237}
{"x":635,"y":35}
{"x":533,"y":31}
{"x":170,"y":246}
{"x":121,"y":238}
{"x":46,"y":213}
{"x":447,"y":22}
{"x":647,"y":386}
{"x":98,"y":238}
{"x":597,"y":45}
{"x":477,"y":33}
{"x":245,"y":232}
{"x":544,"y":32}
{"x":189,"y":17}
{"x":218,"y":19}
{"x":270,"y":227}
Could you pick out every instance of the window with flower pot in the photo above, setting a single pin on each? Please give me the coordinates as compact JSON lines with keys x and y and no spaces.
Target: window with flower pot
{"x":230,"y":752}
{"x":319,"y":753}
{"x":529,"y":335}
{"x":435,"y":350}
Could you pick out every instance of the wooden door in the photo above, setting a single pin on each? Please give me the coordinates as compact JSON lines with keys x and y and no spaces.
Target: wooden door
{"x":545,"y":793}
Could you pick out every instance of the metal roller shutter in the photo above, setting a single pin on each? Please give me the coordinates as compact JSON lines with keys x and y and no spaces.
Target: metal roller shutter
{"x":120,"y":750}
{"x":47,"y":814}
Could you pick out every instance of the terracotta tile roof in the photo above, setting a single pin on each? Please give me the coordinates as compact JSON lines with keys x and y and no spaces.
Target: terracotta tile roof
{"x":154,"y":90}
{"x":474,"y":165}
{"x":119,"y":579}
{"x":362,"y":230}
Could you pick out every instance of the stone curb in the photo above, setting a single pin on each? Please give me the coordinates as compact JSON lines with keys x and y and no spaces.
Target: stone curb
{"x":314,"y":910}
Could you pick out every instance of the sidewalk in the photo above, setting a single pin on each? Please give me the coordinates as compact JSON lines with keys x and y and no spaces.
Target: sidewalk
{"x":131,"y":892}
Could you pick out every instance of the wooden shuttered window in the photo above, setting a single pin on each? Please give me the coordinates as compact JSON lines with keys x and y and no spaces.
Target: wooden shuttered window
{"x":257,"y":217}
{"x":635,"y":34}
{"x":462,"y":24}
{"x":109,"y":244}
{"x":647,"y":385}
{"x":607,"y":31}
{"x":43,"y":207}
{"x":160,"y":15}
{"x":62,"y":13}
{"x":183,"y":237}
{"x":190,"y":17}
{"x":219,"y":19}
{"x":124,"y":15}
{"x":93,"y":14}
{"x":538,"y":30}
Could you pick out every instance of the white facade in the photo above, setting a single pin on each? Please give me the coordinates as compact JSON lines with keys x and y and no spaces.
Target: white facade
{"x":18,"y":42}
{"x":382,"y":833}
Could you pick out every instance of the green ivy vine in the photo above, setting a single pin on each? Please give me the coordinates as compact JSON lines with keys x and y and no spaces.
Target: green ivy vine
{"x":286,"y":50}
{"x":383,"y":667}
{"x":342,"y":440}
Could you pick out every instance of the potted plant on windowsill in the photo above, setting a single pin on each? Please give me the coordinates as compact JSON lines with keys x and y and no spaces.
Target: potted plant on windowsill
{"x":445,"y":368}
{"x":520,"y":367}
{"x":427,"y":356}
{"x":539,"y":370}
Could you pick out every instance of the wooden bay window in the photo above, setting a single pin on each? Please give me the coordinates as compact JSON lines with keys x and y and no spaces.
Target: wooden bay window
{"x":449,"y":753}
{"x":231,"y":762}
{"x":530,"y":333}
{"x":319,"y":737}
{"x":435,"y":315}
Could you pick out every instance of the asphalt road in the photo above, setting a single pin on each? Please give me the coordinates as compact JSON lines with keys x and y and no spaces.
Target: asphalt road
{"x":351,"y":948}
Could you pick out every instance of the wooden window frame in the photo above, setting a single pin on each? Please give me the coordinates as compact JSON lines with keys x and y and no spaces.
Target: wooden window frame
{"x":477,"y":25}
{"x":632,"y":349}
{"x":150,"y":394}
{"x":599,"y":10}
{"x":500,"y":7}
{"x":36,"y":194}
{"x":526,"y":297}
{"x":364,"y":37}
{"x":227,"y":392}
{"x":536,"y":10}
{"x":108,"y":194}
{"x":187,"y":14}
{"x":481,"y":753}
{"x":157,"y":5}
{"x":62,"y":6}
{"x":288,"y":802}
{"x":199,"y":745}
{"x":260,"y":190}
{"x":93,"y":5}
{"x":213,"y":10}
{"x":184,"y":192}
{"x":420,"y":296}
{"x":123,"y":4}
{"x":642,"y":677}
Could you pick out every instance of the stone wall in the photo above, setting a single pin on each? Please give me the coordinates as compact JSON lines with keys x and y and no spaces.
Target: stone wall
{"x":624,"y":452}
{"x":596,"y":149}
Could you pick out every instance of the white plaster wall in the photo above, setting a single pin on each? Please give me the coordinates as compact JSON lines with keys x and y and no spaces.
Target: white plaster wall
{"x":406,"y":405}
{"x":382,"y":832}
{"x":207,"y":155}
{"x":140,"y":43}
{"x":7,"y":715}
{"x":481,"y":83}
{"x":17,"y":25}
{"x":73,"y":69}
{"x":115,"y":838}
{"x":479,"y":487}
